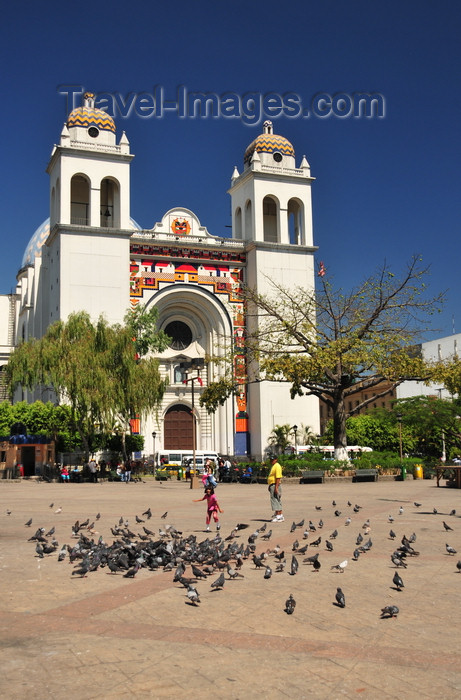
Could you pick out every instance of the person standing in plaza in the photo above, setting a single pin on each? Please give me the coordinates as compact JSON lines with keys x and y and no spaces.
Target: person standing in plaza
{"x":212,"y":507}
{"x":93,"y":470}
{"x":274,"y":481}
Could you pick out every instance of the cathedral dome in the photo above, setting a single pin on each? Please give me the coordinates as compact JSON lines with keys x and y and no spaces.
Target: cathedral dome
{"x":34,"y":247}
{"x":88,"y":116}
{"x":35,"y":244}
{"x":268,"y":142}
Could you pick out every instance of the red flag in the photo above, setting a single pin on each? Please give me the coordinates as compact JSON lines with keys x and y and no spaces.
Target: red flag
{"x":322,"y":270}
{"x":200,"y":381}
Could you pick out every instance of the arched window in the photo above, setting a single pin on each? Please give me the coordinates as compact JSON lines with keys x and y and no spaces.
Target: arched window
{"x":79,"y":200}
{"x":109,"y":204}
{"x":238,"y":223}
{"x":295,"y":228}
{"x":248,"y":221}
{"x":270,"y":222}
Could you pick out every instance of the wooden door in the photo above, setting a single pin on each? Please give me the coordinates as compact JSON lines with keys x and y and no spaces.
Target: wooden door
{"x":178,"y":428}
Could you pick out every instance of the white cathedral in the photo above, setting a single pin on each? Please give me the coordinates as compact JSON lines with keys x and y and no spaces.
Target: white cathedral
{"x":91,"y":255}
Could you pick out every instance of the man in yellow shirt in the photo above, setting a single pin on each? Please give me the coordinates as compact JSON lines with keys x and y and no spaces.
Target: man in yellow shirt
{"x":275,"y":490}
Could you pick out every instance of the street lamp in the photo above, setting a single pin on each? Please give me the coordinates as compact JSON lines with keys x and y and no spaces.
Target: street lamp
{"x":295,"y":430}
{"x":197,"y":364}
{"x":403,"y":469}
{"x":154,"y":435}
{"x":399,"y":418}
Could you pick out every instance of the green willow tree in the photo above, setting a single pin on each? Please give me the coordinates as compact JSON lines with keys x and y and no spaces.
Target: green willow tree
{"x":332,"y":344}
{"x":103,"y":372}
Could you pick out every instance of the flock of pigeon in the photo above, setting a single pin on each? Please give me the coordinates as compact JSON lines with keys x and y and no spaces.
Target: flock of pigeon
{"x":169,"y":550}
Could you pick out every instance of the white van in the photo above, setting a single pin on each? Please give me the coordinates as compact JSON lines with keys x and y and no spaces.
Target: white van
{"x":179,"y":458}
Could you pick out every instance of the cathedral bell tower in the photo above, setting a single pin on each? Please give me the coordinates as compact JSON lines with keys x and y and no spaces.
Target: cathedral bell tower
{"x":90,"y":225}
{"x":272,"y":214}
{"x":89,"y":172}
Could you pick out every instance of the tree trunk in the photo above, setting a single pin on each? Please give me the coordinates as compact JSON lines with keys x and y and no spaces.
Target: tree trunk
{"x":339,"y":426}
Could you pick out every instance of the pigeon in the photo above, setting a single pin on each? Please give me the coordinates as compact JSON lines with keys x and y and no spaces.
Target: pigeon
{"x":293,"y":526}
{"x":139,"y":520}
{"x":28,"y":523}
{"x":163,"y":517}
{"x":82,"y":570}
{"x":390,"y":518}
{"x":447,"y":527}
{"x":400,"y":510}
{"x":316,"y":565}
{"x":98,"y":515}
{"x":310,"y":560}
{"x":333,"y":503}
{"x":147,"y":531}
{"x":392,"y":534}
{"x":294,"y":565}
{"x":348,"y":521}
{"x":197,"y":572}
{"x":131,"y":573}
{"x":312,"y":527}
{"x":334,"y":535}
{"x":339,"y":567}
{"x":180,"y":570}
{"x":58,"y":510}
{"x":435,"y":511}
{"x":328,"y":545}
{"x":8,"y":511}
{"x":192,"y":595}
{"x":51,"y":505}
{"x":397,"y":581}
{"x":233,"y":573}
{"x":389,"y":611}
{"x":318,"y":507}
{"x":113,"y":566}
{"x":219,"y":583}
{"x":268,"y":572}
{"x":337,"y":513}
{"x":359,"y":539}
{"x":458,"y":566}
{"x":316,"y":542}
{"x":39,"y":550}
{"x":267,"y":535}
{"x":340,"y":599}
{"x":147,"y":513}
{"x":453,"y":512}
{"x":356,"y":554}
{"x":62,"y":553}
{"x":320,"y":525}
{"x":449,"y":549}
{"x":295,"y":546}
{"x":300,"y":524}
{"x":418,"y":505}
{"x":397,"y":561}
{"x":290,"y":605}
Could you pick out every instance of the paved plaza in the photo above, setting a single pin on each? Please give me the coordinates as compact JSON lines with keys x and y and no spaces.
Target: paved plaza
{"x":106,"y":636}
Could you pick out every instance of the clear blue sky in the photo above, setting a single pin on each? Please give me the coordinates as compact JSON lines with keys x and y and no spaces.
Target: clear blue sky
{"x":386,"y":188}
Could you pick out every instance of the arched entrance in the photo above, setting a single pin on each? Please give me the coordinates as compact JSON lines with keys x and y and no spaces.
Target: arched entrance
{"x":178,"y":428}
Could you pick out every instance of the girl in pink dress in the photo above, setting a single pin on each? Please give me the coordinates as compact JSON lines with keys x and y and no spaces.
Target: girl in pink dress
{"x":212,"y":507}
